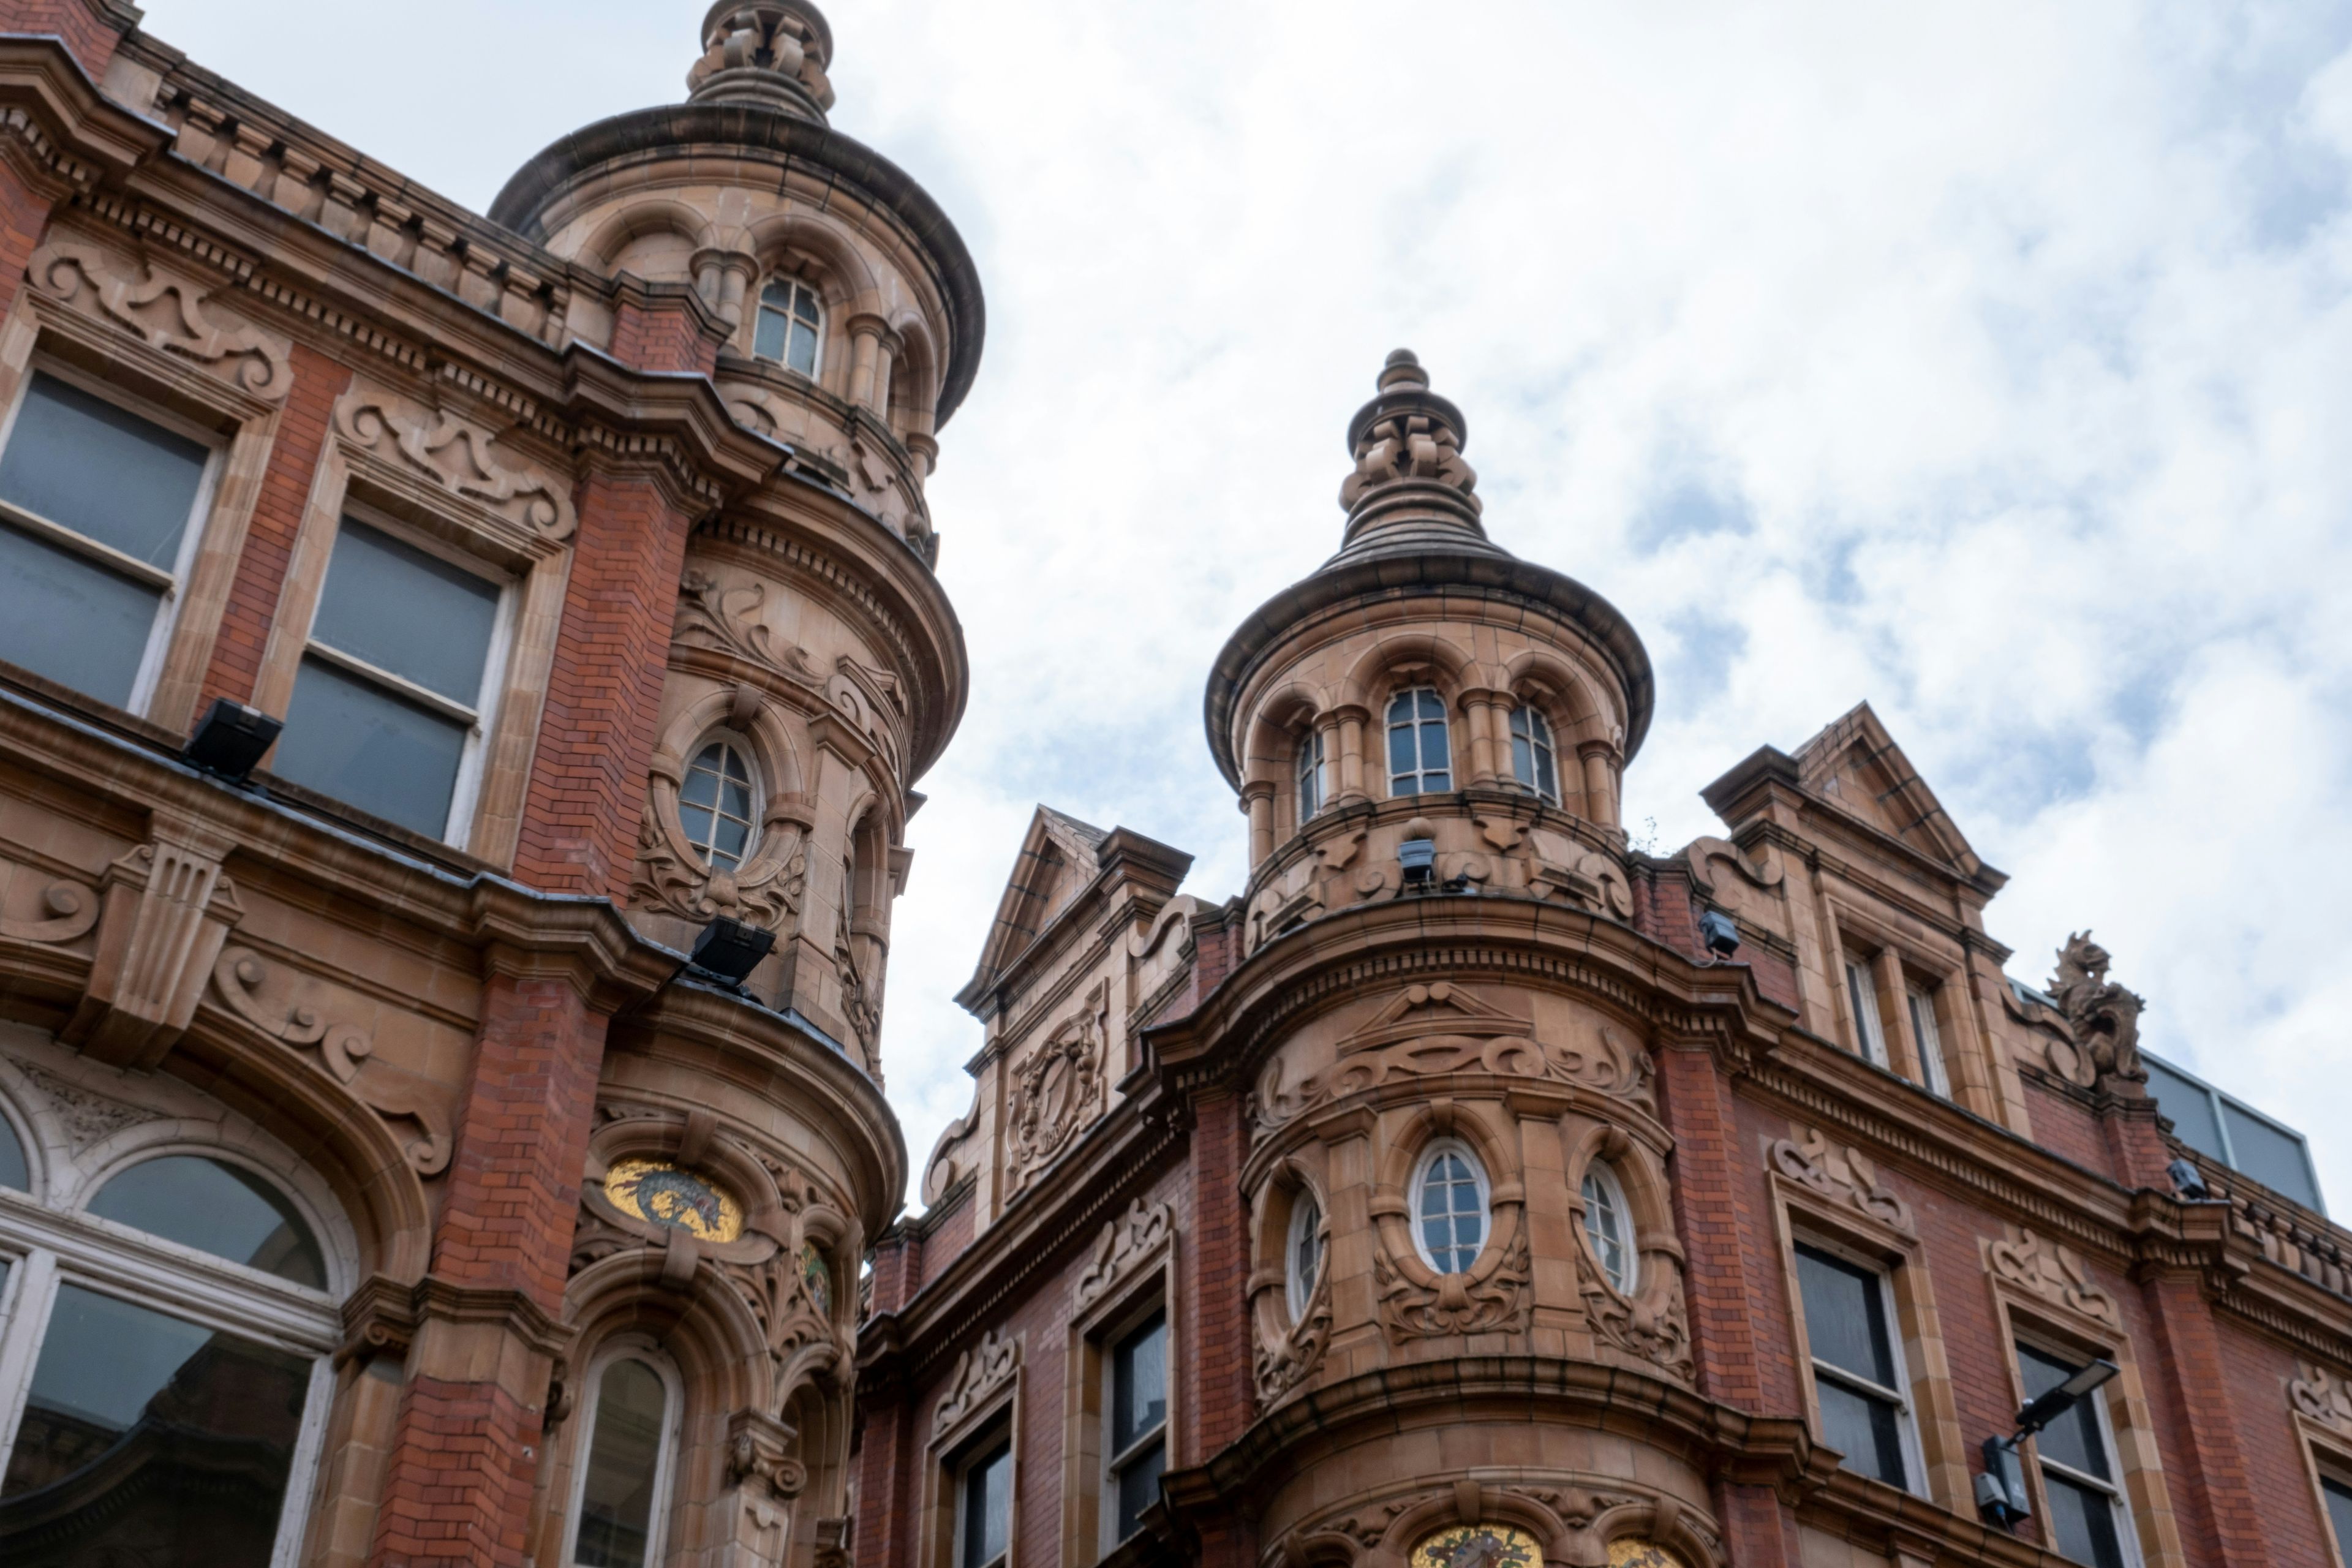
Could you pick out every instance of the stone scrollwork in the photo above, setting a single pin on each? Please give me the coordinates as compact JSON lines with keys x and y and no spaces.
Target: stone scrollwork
{"x":169,"y":313}
{"x":254,"y":992}
{"x":1844,"y":1176}
{"x":718,"y":616}
{"x":1056,"y":1087}
{"x":2053,"y":1272}
{"x":67,"y":911}
{"x":1498,"y":1301}
{"x":758,"y":1454}
{"x":455,"y":457}
{"x":1653,"y":1325}
{"x":765,"y":893}
{"x":980,"y":1371}
{"x":1125,"y":1241}
{"x":2321,"y":1396}
{"x":1287,"y":1353}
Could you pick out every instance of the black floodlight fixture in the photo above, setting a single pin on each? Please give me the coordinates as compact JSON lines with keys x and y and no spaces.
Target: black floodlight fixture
{"x":1418,"y":857}
{"x":1720,"y":932}
{"x":728,"y":950}
{"x":2001,"y":1491}
{"x":231,"y":739}
{"x":2189,"y":1181}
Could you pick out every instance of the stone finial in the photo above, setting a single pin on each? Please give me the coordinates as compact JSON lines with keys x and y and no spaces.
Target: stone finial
{"x":2102,"y":1015}
{"x":1407,"y":443}
{"x":771,"y":52}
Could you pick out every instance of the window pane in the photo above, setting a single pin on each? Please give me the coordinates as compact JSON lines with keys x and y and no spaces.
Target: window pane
{"x":616,"y":1499}
{"x":802,"y":356}
{"x":1605,"y":1223}
{"x":412,"y":613}
{"x":1931,"y":1045}
{"x":157,"y":1441}
{"x":1139,"y":1489}
{"x":352,"y":740}
{"x":1866,"y":1431}
{"x":804,"y":304}
{"x":14,"y":1172}
{"x":2340,"y":1515}
{"x":1863,"y":994}
{"x":2188,"y":1106}
{"x":1139,"y":1384}
{"x":1845,"y":1316}
{"x":83,"y":462}
{"x":2269,"y":1155}
{"x":76,"y":623}
{"x":2074,"y":1439}
{"x":988,"y":1508}
{"x":773,"y":326}
{"x":217,"y":1209}
{"x":1401,"y":758}
{"x":2082,"y":1523}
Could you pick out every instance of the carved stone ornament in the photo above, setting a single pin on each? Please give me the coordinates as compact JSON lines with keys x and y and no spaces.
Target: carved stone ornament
{"x":1580,"y":1511}
{"x":1477,"y":1546}
{"x":455,"y":457}
{"x":165,"y":909}
{"x":1428,"y":1030}
{"x":759,"y":1455}
{"x":1844,"y":1176}
{"x":1287,"y":1356}
{"x":2053,"y":1272}
{"x":2324,"y":1397}
{"x":711,"y":613}
{"x":1368,"y":1526}
{"x":1057,"y":1088}
{"x":980,"y":1371}
{"x":2103,"y":1017}
{"x":1124,"y":1242}
{"x":169,"y":313}
{"x":1501,"y":1301}
{"x":88,"y":1116}
{"x":266,"y":997}
{"x":67,"y":911}
{"x":765,"y":892}
{"x":1654,"y":1324}
{"x":1410,"y":433}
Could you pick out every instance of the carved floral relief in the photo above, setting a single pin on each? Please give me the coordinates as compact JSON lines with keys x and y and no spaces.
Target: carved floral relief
{"x":1125,"y":1241}
{"x":1843,"y":1175}
{"x":979,"y":1373}
{"x":1500,"y":1301}
{"x":2055,"y":1273}
{"x":448,"y":452}
{"x":1056,"y":1087}
{"x":174,"y":314}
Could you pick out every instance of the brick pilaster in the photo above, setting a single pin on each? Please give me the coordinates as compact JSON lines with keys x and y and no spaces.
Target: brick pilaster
{"x":1717,"y":1234}
{"x":1216,"y":1332}
{"x":1755,"y":1527}
{"x":2191,"y":1355}
{"x":886,"y":1511}
{"x":89,"y":33}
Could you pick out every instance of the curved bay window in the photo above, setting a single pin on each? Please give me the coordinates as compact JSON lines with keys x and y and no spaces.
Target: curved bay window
{"x":1310,"y":774}
{"x":1304,"y":1254}
{"x":718,"y":802}
{"x":1421,"y":761}
{"x":791,"y":326}
{"x":621,"y":1479}
{"x":163,"y":1354}
{"x":1449,"y":1207}
{"x":1610,"y":1224}
{"x":1533,"y":762}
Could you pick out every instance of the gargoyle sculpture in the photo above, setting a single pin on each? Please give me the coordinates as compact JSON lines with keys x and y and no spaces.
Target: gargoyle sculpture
{"x":2103,"y":1015}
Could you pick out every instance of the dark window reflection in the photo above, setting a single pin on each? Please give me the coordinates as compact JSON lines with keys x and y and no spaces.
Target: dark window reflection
{"x":217,"y":1209}
{"x":151,"y":1440}
{"x":12,"y":1171}
{"x":617,"y":1501}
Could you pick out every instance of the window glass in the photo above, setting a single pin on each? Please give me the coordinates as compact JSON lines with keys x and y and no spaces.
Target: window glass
{"x":1862,"y":994}
{"x":160,"y":1441}
{"x":2189,"y":1106}
{"x":218,"y":1208}
{"x":408,"y":611}
{"x":988,"y":1508}
{"x":1138,"y":1422}
{"x":1856,"y":1376}
{"x":791,"y":325}
{"x":83,"y":463}
{"x":76,"y":623}
{"x":716,"y":804}
{"x":2339,"y":1514}
{"x":616,"y":1496}
{"x":1931,"y":1043}
{"x":349,"y":738}
{"x":1450,"y":1217}
{"x":2270,"y":1155}
{"x":1531,"y":753}
{"x":14,"y":1171}
{"x":1610,"y":1226}
{"x":2074,"y":1439}
{"x":1305,"y":1252}
{"x":1419,"y":761}
{"x":2082,"y":1522}
{"x":2077,"y":1474}
{"x":1310,"y":774}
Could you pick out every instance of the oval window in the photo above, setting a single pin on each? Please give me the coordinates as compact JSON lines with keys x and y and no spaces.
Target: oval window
{"x":218,"y":1208}
{"x":718,"y":802}
{"x":1305,"y":1253}
{"x":1611,"y":1226}
{"x":1449,"y":1207}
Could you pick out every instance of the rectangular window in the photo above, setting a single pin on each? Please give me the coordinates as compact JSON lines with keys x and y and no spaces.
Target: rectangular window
{"x":99,"y":510}
{"x":984,"y":1508}
{"x":1862,"y":992}
{"x":1138,"y":1425}
{"x":2088,"y":1522}
{"x":1931,"y":1045}
{"x":389,"y":704}
{"x":2339,"y":1514}
{"x":1858,"y":1376}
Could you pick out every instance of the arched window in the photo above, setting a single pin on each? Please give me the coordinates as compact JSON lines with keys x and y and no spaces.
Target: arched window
{"x":718,"y":802}
{"x":1610,"y":1225}
{"x":623,"y":1475}
{"x":791,"y":326}
{"x":164,"y":1350}
{"x":1419,"y":762}
{"x":1532,"y":762}
{"x":1305,"y":1253}
{"x":1310,"y":773}
{"x":1449,"y":1207}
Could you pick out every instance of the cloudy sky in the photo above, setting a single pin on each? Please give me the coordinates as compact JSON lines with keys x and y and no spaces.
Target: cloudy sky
{"x":1980,"y":360}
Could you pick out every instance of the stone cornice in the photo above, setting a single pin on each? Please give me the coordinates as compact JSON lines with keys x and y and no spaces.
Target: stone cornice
{"x":60,"y":132}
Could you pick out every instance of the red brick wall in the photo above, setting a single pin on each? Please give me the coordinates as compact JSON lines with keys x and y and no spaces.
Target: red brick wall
{"x":1719,"y":1236}
{"x":87,"y":36}
{"x":2067,"y":1129}
{"x":666,"y":336}
{"x":1217,"y":1331}
{"x":23,"y":218}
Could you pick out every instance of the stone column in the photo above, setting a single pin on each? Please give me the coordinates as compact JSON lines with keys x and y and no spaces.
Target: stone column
{"x":1351,"y":752}
{"x":1478,"y":714}
{"x":1600,"y":783}
{"x":873,"y":346}
{"x":1327,"y":731}
{"x":1257,"y":799}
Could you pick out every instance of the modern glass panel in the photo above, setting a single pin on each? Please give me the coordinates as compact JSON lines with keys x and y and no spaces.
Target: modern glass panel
{"x":1139,"y":1421}
{"x":1611,"y":1228}
{"x":616,"y":1495}
{"x":66,"y":617}
{"x":2191,"y":1107}
{"x":403,"y":610}
{"x":1452,"y":1215}
{"x":83,"y":463}
{"x":1862,"y":994}
{"x":987,"y":1522}
{"x":218,"y":1208}
{"x":14,"y":1171}
{"x":351,"y":738}
{"x":152,"y":1440}
{"x":2270,"y":1154}
{"x":1532,"y":762}
{"x":1856,"y":1377}
{"x":2339,"y":1514}
{"x":716,"y":806}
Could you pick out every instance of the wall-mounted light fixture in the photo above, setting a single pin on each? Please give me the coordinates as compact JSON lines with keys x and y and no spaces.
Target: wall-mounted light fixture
{"x":728,"y":950}
{"x":2001,"y":1495}
{"x":230,"y":739}
{"x":1720,"y":932}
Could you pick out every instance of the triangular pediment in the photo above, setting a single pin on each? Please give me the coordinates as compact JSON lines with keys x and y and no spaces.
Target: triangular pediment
{"x":1439,"y":1007}
{"x":1856,"y":766}
{"x":1055,"y":864}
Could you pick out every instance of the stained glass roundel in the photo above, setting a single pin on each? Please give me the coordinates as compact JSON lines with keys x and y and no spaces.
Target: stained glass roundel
{"x":1478,"y":1546}
{"x":662,"y":1193}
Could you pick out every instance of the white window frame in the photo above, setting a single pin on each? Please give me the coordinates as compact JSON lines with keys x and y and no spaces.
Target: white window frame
{"x":1306,"y":1227}
{"x":1417,"y":1196}
{"x":759,"y":304}
{"x":1921,"y":1000}
{"x":2118,"y":1498}
{"x":1861,"y":998}
{"x":1422,"y":770}
{"x":1603,"y":1175}
{"x":1116,"y":1463}
{"x":481,"y":721}
{"x":174,"y":585}
{"x":996,"y":1439}
{"x":1308,"y":774}
{"x":741,"y":746}
{"x":636,"y":1348}
{"x":1906,"y":1413}
{"x":1540,"y":745}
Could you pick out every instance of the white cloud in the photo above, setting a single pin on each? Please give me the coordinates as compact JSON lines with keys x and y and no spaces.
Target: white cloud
{"x":2006,"y":344}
